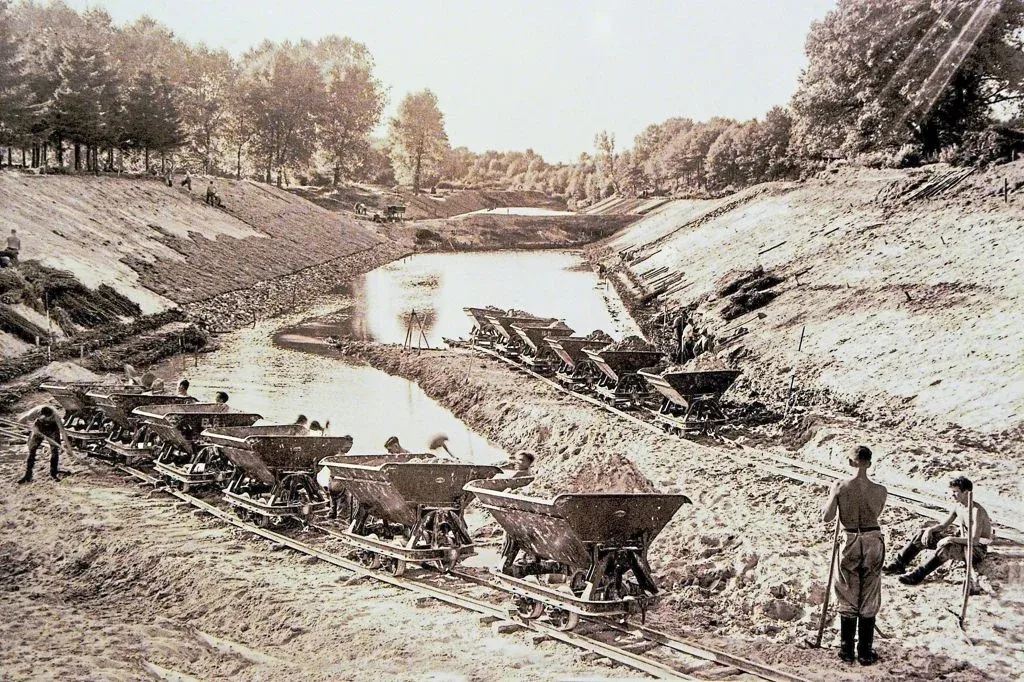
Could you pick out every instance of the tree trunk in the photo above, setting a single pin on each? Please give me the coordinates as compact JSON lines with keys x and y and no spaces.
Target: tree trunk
{"x":270,"y":165}
{"x":206,"y":156}
{"x":110,"y":158}
{"x":238,"y":163}
{"x":147,"y":159}
{"x":10,"y":159}
{"x":46,"y":161}
{"x":78,"y":156}
{"x":163,"y":164}
{"x":416,"y":174}
{"x":337,"y":172}
{"x":23,"y":158}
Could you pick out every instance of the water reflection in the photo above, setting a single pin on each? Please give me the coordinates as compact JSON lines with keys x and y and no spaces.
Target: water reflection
{"x":438,"y":286}
{"x":365,"y":403}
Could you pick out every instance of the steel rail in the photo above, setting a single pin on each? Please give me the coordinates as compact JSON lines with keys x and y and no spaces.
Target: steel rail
{"x":915,"y":502}
{"x":628,"y":658}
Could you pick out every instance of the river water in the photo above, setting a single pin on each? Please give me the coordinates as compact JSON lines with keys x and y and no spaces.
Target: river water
{"x":438,"y":286}
{"x":279,"y":382}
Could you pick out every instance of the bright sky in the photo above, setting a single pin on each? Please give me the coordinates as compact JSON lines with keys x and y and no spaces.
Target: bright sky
{"x":545,"y":75}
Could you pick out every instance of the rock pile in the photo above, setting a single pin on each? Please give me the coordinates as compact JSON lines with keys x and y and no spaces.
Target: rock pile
{"x":630,"y":343}
{"x":603,"y":473}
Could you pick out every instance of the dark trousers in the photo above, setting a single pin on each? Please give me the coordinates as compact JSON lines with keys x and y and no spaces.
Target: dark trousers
{"x":34,"y":441}
{"x":941,"y":556}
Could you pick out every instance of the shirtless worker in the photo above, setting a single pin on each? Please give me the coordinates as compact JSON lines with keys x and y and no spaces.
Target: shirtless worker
{"x":46,"y":428}
{"x":947,"y":546}
{"x":859,"y":502}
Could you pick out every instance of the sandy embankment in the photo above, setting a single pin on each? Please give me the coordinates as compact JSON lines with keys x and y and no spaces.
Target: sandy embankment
{"x":746,"y":563}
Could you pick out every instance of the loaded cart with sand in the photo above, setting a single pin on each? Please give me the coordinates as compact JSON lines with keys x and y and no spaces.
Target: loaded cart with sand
{"x":408,"y":511}
{"x":274,"y":479}
{"x":128,"y":438}
{"x":537,"y":354}
{"x":620,"y":362}
{"x":483,"y":332}
{"x":577,"y":554}
{"x":690,"y":398}
{"x":184,"y":457}
{"x":508,"y":343}
{"x":83,"y":419}
{"x":577,"y":371}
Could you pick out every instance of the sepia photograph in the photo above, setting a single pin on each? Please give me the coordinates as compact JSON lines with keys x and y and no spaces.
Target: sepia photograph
{"x":487,"y":340}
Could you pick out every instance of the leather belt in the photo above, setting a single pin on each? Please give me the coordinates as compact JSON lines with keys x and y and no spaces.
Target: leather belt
{"x":862,"y":530}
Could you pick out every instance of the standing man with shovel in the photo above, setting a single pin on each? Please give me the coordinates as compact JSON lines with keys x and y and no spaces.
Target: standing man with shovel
{"x":46,"y":428}
{"x":859,"y":502}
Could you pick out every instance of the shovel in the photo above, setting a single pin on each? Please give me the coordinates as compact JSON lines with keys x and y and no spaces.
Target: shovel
{"x":816,"y":644}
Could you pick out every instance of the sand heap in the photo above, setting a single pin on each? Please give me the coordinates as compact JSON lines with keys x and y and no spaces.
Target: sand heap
{"x":598,"y":335}
{"x":601,"y":473}
{"x":630,"y":343}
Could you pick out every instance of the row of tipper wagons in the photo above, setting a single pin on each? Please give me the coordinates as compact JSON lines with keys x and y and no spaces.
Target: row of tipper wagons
{"x":681,"y":400}
{"x":569,"y":556}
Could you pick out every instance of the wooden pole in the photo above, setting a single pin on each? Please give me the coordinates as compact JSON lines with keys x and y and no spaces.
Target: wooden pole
{"x":969,"y":557}
{"x":828,"y":587}
{"x":801,"y":344}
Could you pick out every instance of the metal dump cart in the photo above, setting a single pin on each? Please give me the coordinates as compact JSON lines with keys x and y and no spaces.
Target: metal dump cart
{"x":409,"y":511}
{"x":620,"y":384}
{"x":483,"y":332}
{"x":127,"y":438}
{"x":83,"y":420}
{"x":577,"y":371}
{"x":183,"y":456}
{"x":537,"y":354}
{"x":275,"y":470}
{"x":690,"y":400}
{"x":597,"y":541}
{"x":508,"y":342}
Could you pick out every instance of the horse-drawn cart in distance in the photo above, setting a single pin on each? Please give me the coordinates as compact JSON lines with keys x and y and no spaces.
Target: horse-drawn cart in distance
{"x":183,"y":456}
{"x":275,"y":470}
{"x":127,"y":437}
{"x":409,"y":511}
{"x":597,"y":541}
{"x":690,"y":399}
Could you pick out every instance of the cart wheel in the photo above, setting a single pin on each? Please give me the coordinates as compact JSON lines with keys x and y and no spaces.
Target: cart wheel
{"x":396,"y":567}
{"x":529,"y":609}
{"x":368,"y":559}
{"x":261,"y":520}
{"x":578,"y":583}
{"x":447,"y":542}
{"x":185,"y":487}
{"x":564,"y":620}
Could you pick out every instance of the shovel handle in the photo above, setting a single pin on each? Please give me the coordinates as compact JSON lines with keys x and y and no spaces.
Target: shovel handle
{"x":828,"y":588}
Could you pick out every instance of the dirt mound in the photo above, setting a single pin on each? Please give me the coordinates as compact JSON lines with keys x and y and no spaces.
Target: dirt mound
{"x":601,"y":473}
{"x":598,"y":335}
{"x":630,"y":343}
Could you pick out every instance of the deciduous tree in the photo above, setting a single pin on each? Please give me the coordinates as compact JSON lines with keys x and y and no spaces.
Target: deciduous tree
{"x":417,"y":135}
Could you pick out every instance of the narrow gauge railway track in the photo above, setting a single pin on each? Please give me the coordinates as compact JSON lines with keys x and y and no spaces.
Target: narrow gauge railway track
{"x":655,"y":653}
{"x":805,"y":472}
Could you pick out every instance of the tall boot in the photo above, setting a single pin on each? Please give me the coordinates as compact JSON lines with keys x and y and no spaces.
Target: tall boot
{"x":847,"y":633}
{"x":903,"y":559}
{"x":916,"y":576}
{"x":865,"y":638}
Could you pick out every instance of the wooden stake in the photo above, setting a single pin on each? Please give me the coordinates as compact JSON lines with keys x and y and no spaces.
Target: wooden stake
{"x":801,"y":344}
{"x":770,"y":248}
{"x":969,"y":552}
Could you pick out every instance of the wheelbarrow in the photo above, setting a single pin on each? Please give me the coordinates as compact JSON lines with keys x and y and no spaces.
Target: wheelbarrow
{"x":595,"y":544}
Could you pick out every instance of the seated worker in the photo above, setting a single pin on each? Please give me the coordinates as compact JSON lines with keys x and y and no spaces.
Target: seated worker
{"x":183,"y":388}
{"x":315,"y":426}
{"x":394,"y":447}
{"x":303,"y":421}
{"x":13,"y":247}
{"x":520,"y":466}
{"x":222,"y":397}
{"x":947,"y":546}
{"x":47,"y":427}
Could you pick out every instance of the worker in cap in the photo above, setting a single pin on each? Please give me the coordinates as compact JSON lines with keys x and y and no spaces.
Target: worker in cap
{"x":859,"y":502}
{"x":394,"y":447}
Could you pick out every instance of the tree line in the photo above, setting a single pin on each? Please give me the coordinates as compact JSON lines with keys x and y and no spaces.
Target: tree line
{"x":78,"y":92}
{"x":886,"y":84}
